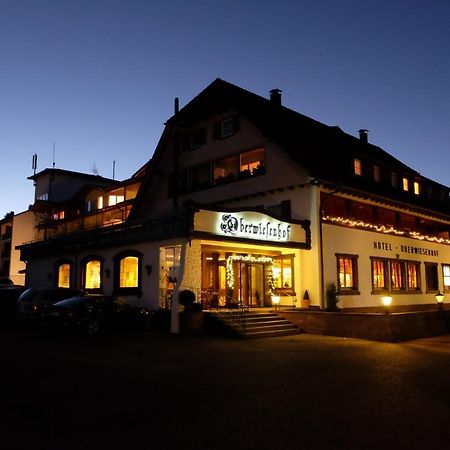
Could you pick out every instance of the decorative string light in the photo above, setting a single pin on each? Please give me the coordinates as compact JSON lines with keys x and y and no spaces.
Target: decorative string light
{"x":246,"y":259}
{"x":385,"y":229}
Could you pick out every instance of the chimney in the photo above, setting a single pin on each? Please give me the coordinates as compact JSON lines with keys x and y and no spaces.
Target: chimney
{"x":275,"y":96}
{"x":176,"y":105}
{"x":364,"y":136}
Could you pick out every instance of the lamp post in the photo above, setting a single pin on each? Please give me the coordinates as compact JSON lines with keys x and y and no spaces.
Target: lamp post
{"x":440,"y":300}
{"x":387,"y":302}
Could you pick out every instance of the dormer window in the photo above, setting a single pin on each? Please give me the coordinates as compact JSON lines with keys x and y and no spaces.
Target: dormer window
{"x":416,"y":188}
{"x":394,"y":180}
{"x":376,"y":173}
{"x":357,"y":167}
{"x":405,"y":184}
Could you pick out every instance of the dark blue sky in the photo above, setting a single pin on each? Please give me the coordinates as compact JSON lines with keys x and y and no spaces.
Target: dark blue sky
{"x":99,"y":77}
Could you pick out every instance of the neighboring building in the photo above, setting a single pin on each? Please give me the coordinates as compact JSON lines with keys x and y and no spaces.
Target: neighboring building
{"x":244,"y":199}
{"x":6,"y":225}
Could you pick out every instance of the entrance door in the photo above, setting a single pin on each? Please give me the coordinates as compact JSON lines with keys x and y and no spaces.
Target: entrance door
{"x":252,"y":284}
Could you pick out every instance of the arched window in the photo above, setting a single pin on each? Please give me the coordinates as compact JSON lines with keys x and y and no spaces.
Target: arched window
{"x":128,"y":273}
{"x":92,"y":273}
{"x":63,"y":274}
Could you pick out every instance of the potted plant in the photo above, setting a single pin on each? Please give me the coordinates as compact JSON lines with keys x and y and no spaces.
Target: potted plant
{"x":305,"y":300}
{"x":331,"y":296}
{"x":191,"y":319}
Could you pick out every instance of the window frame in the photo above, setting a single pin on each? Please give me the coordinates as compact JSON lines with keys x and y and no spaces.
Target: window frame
{"x":431,"y":289}
{"x":283,"y":290}
{"x":445,"y":287}
{"x":345,"y":290}
{"x":84,"y":262}
{"x":404,"y":287}
{"x":135,"y":290}
{"x":56,"y":268}
{"x":357,"y":167}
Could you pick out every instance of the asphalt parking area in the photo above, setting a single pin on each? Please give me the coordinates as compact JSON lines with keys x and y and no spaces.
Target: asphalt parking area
{"x":155,"y":390}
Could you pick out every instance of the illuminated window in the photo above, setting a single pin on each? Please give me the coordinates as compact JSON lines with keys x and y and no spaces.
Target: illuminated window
{"x":113,"y":199}
{"x":58,"y":215}
{"x":357,"y":166}
{"x":379,"y":278}
{"x":252,"y":162}
{"x":431,"y":277}
{"x":64,"y":275}
{"x":413,"y":275}
{"x":92,"y":274}
{"x":129,"y":270}
{"x":347,"y":267}
{"x":446,"y":276}
{"x":225,"y":170}
{"x":282,"y":272}
{"x":377,"y":173}
{"x":405,"y":184}
{"x":128,"y":273}
{"x":397,"y":275}
{"x":416,"y":188}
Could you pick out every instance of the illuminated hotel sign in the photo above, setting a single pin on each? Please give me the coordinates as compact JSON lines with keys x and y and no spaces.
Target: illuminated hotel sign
{"x":249,"y":225}
{"x":411,"y":249}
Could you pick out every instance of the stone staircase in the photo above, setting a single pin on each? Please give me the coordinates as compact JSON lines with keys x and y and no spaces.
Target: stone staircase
{"x":257,"y":325}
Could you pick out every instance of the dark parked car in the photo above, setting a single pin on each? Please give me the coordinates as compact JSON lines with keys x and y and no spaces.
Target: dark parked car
{"x":8,"y":301}
{"x":32,"y":303}
{"x":92,"y":313}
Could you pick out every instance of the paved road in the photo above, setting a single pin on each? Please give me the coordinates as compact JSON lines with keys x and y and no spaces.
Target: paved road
{"x":156,"y":391}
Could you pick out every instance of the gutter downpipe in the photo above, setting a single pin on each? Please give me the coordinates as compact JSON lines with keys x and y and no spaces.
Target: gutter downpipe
{"x":322,"y":276}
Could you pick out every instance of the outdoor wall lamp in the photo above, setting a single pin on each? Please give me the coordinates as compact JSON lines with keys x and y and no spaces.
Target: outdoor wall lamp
{"x":148,"y":269}
{"x":387,"y":302}
{"x":440,"y":300}
{"x":276,"y":301}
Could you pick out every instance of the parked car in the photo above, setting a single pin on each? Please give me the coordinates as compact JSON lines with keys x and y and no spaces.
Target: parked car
{"x":9,"y":295}
{"x":5,"y":282}
{"x":92,"y":313}
{"x":32,"y":302}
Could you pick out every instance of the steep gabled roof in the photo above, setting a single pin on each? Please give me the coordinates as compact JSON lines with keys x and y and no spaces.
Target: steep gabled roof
{"x":325,"y":152}
{"x":319,"y":148}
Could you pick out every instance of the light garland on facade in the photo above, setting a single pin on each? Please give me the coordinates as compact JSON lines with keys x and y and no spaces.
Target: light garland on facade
{"x":385,"y":229}
{"x":246,"y":259}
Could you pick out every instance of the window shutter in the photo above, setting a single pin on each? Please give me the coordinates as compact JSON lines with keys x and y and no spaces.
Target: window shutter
{"x":216,"y":130}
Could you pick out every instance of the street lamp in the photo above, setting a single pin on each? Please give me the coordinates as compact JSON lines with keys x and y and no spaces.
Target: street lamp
{"x":440,"y":300}
{"x":387,"y":302}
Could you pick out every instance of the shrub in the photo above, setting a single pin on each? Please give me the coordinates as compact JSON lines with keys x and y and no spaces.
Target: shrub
{"x":332,"y":298}
{"x":186,"y":298}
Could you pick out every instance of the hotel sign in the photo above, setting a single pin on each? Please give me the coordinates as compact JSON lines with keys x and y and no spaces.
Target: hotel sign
{"x":249,"y":225}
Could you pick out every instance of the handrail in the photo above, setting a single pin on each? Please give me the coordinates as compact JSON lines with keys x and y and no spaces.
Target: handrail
{"x":294,"y":298}
{"x":233,"y":311}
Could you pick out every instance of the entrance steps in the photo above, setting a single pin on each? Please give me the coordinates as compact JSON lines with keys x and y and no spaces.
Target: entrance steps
{"x":252,"y":325}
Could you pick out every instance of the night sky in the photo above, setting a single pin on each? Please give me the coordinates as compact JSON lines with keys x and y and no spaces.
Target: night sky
{"x":98,"y":78}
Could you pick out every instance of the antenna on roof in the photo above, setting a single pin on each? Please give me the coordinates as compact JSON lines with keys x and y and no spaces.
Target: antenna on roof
{"x":114,"y":169}
{"x":34,"y":163}
{"x":94,"y":169}
{"x":54,"y":145}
